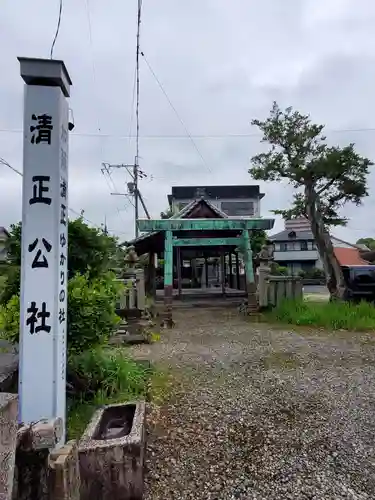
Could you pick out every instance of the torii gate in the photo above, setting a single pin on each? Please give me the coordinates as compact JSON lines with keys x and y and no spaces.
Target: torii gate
{"x":242,"y":242}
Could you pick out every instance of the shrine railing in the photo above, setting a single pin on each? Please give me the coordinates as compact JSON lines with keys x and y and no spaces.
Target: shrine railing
{"x":134,"y":295}
{"x":272,"y":290}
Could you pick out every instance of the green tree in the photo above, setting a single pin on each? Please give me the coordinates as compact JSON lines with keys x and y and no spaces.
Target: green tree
{"x":90,"y":251}
{"x":13,"y":244}
{"x":368,"y":255}
{"x":325,"y":177}
{"x":167,"y":214}
{"x":369,"y":242}
{"x":258,"y":239}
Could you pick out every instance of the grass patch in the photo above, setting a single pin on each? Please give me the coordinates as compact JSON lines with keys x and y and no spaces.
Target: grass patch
{"x":160,"y":385}
{"x":329,"y":315}
{"x":280,"y":359}
{"x":110,"y":377}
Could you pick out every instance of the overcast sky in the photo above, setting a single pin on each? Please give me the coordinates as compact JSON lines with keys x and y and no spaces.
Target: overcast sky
{"x":221,"y":62}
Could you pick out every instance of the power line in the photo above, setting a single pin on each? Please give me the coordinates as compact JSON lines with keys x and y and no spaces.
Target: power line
{"x":176,"y":112}
{"x":87,"y":3}
{"x":132,"y":105}
{"x":4,"y":162}
{"x":133,"y":170}
{"x":184,"y":136}
{"x":57,"y":29}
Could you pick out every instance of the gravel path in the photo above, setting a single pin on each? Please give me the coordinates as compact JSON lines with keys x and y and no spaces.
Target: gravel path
{"x":261,"y":413}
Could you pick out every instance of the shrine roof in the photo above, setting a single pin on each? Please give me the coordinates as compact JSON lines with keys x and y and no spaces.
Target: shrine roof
{"x":199,"y":209}
{"x":184,"y":214}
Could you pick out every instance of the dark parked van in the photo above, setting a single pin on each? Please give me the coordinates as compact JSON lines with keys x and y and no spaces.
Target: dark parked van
{"x":360,"y":281}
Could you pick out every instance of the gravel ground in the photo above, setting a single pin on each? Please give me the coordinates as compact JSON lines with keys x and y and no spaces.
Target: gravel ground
{"x":261,"y":413}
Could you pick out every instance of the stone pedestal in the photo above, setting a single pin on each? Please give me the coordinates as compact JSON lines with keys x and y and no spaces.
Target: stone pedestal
{"x":111,"y":453}
{"x":8,"y":440}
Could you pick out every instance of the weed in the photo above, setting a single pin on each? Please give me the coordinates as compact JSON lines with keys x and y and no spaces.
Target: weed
{"x":109,"y":377}
{"x":330,"y":315}
{"x":279,"y":359}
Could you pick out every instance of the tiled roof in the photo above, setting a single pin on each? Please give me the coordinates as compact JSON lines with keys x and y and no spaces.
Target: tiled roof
{"x":284,"y":236}
{"x":181,"y":215}
{"x":353,"y":245}
{"x":217,"y":192}
{"x":189,"y":207}
{"x":349,"y":257}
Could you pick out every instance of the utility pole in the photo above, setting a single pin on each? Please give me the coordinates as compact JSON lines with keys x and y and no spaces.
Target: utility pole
{"x":133,"y":190}
{"x":105,"y":230}
{"x":136,"y":192}
{"x":135,"y":170}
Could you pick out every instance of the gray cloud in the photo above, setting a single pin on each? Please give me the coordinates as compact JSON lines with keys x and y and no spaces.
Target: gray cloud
{"x":222,"y":63}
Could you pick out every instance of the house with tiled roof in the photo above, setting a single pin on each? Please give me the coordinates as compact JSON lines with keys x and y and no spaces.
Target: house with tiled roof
{"x":4,"y":235}
{"x":295,"y":248}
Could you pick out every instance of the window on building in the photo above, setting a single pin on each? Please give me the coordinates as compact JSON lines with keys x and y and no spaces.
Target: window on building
{"x":291,"y":245}
{"x":283,"y":247}
{"x":238,"y":208}
{"x":303,"y":245}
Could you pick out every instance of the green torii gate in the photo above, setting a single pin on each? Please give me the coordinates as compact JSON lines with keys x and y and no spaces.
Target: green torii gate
{"x":242,"y":242}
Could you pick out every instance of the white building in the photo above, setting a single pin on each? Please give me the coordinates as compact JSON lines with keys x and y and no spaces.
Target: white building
{"x":4,"y":235}
{"x":295,"y":248}
{"x":235,"y":201}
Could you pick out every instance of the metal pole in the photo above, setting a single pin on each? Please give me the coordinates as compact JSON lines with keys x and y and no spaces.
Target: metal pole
{"x":135,"y":170}
{"x":143,"y":204}
{"x":135,"y":175}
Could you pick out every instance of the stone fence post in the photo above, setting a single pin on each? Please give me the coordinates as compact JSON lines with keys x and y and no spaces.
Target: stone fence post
{"x":263,"y":274}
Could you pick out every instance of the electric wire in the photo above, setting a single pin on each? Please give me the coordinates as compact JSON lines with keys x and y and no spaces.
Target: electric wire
{"x":106,"y":170}
{"x":132,"y":106}
{"x":7,"y":164}
{"x":176,"y":112}
{"x":194,"y":136}
{"x":137,"y":79}
{"x":57,"y":29}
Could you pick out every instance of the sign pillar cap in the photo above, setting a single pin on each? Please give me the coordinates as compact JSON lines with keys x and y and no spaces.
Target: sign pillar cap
{"x":45,"y":72}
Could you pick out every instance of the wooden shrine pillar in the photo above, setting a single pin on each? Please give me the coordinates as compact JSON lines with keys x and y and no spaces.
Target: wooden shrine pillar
{"x":238,"y":286}
{"x":206,"y":269}
{"x":178,"y":252}
{"x":222,"y":270}
{"x":168,"y":279}
{"x":252,"y":305}
{"x":151,"y":275}
{"x":230,"y":270}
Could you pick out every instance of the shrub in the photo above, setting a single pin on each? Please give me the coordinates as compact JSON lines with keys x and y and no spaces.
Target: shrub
{"x":91,"y":312}
{"x":10,"y":319}
{"x":11,"y":283}
{"x":330,"y":315}
{"x":313,"y":273}
{"x":108,"y":371}
{"x":277,"y":270}
{"x":90,"y":251}
{"x":106,"y":376}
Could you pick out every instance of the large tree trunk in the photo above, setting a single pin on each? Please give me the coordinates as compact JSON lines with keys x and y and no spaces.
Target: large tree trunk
{"x":367,"y":255}
{"x":335,"y":278}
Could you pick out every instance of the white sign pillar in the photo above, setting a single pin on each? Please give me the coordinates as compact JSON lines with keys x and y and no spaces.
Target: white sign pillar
{"x":43,"y":315}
